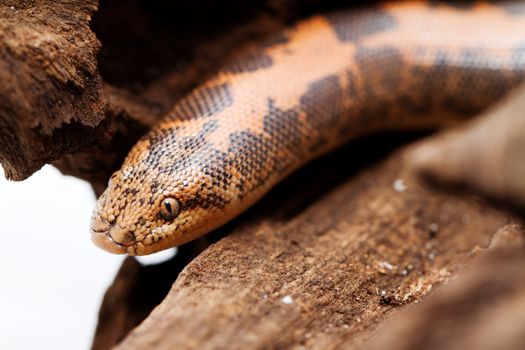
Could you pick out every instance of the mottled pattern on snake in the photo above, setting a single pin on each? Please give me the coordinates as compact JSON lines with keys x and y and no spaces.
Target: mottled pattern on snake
{"x":324,"y":81}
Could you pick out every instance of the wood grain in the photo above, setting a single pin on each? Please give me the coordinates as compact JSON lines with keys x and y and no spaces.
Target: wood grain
{"x":322,"y":262}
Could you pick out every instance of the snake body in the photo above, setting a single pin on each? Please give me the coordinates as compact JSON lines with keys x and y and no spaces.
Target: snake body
{"x":326,"y":80}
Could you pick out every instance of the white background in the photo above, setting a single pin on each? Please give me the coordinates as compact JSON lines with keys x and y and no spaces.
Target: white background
{"x":52,"y":278}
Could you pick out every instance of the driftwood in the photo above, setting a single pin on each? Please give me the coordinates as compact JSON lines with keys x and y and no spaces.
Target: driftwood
{"x":482,"y":309}
{"x":486,"y":156}
{"x":50,"y":93}
{"x":337,"y":256}
{"x":344,"y":256}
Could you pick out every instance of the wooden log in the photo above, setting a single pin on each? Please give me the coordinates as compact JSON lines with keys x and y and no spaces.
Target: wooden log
{"x":485,"y":156}
{"x":320,"y":263}
{"x":51,"y":99}
{"x":484,"y":308}
{"x":136,"y":291}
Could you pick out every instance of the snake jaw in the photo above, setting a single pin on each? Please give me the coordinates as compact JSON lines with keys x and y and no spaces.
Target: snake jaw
{"x":104,"y":241}
{"x":102,"y":238}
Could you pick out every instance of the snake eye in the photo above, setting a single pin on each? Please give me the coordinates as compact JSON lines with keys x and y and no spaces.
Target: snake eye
{"x":169,"y":208}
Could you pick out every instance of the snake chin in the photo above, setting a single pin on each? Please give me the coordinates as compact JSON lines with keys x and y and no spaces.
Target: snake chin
{"x":101,"y":237}
{"x":116,"y":240}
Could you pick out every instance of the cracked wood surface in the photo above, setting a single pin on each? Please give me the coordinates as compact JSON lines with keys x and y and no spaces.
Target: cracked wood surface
{"x":314,"y":267}
{"x":51,"y":98}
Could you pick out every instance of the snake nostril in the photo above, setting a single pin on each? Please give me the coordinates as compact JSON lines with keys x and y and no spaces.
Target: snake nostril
{"x":99,"y":225}
{"x":121,"y":236}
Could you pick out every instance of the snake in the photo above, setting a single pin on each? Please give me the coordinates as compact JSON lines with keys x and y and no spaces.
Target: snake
{"x":301,"y":93}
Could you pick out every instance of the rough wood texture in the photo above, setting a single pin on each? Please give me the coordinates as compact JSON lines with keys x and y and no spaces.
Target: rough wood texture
{"x":51,"y":96}
{"x":347,"y":250}
{"x":135,"y":292}
{"x":484,"y":308}
{"x":485,"y":156}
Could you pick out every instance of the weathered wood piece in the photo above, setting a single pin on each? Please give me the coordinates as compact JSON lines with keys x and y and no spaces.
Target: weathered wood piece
{"x":136,"y":291}
{"x":51,"y":98}
{"x":484,"y":308}
{"x":321,"y":262}
{"x":485,"y":156}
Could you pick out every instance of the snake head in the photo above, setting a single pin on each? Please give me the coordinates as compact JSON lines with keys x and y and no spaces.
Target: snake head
{"x":162,"y":196}
{"x":141,"y":220}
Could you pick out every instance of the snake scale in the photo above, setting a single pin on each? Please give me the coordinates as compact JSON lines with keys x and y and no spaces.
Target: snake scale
{"x":304,"y":92}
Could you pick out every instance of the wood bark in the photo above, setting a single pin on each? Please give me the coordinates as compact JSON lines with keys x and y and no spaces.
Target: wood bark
{"x":483,"y":308}
{"x":485,"y":156}
{"x":51,"y":98}
{"x":321,"y":263}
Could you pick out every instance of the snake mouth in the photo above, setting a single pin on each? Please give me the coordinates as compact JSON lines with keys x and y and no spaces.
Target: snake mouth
{"x":103,"y":240}
{"x":101,"y":237}
{"x":115,"y":240}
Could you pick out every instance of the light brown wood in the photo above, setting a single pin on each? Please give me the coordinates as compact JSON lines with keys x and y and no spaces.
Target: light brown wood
{"x":320,"y":263}
{"x":486,"y":156}
{"x":51,"y":98}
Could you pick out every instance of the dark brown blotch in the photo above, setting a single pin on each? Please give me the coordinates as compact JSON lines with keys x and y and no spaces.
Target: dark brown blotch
{"x":355,"y":24}
{"x":283,"y":127}
{"x":381,"y":70}
{"x":322,"y":102}
{"x":478,"y":81}
{"x":514,"y":8}
{"x":464,"y":5}
{"x":250,"y":63}
{"x":279,"y":38}
{"x":203,"y":102}
{"x":169,"y":153}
